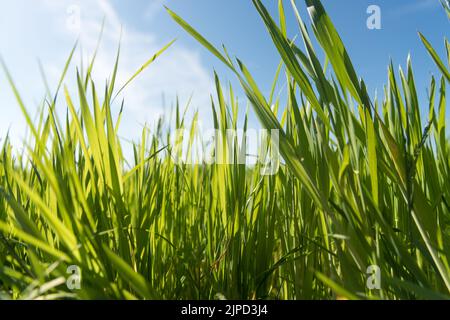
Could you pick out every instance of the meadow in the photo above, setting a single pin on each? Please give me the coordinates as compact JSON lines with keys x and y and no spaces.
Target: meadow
{"x":363,"y":183}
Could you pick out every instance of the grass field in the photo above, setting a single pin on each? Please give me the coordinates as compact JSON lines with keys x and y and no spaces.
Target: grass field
{"x":362,"y":183}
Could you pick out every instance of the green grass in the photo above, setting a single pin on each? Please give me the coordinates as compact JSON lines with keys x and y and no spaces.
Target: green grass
{"x":362,"y":183}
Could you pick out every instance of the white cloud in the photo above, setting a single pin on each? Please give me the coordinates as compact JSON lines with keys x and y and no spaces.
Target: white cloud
{"x":51,"y":30}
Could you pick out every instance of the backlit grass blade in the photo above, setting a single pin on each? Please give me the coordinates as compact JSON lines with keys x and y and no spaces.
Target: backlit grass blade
{"x":145,"y":66}
{"x":444,"y":69}
{"x":289,"y":58}
{"x":331,"y":42}
{"x":198,"y":37}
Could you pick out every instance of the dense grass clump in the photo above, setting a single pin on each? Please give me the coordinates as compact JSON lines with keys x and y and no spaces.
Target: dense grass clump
{"x":361,"y":183}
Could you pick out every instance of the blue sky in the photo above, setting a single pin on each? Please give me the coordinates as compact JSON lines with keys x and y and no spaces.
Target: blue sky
{"x":45,"y":29}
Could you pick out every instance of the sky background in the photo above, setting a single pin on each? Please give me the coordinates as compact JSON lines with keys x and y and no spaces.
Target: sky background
{"x":46,"y":30}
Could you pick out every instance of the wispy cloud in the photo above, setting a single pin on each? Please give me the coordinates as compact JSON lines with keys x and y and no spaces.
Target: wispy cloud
{"x":178,"y":72}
